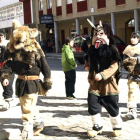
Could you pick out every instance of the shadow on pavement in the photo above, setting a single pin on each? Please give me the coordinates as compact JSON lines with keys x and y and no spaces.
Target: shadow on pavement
{"x":58,"y":132}
{"x":59,"y":98}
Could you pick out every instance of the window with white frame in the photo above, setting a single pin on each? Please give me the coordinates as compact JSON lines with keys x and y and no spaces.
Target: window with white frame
{"x":11,"y":12}
{"x":80,"y":0}
{"x":40,"y":5}
{"x":59,"y":3}
{"x":69,"y":1}
{"x":49,"y":4}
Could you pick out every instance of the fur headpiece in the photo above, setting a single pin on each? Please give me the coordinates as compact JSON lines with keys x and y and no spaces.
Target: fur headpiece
{"x":23,"y":37}
{"x":23,"y":45}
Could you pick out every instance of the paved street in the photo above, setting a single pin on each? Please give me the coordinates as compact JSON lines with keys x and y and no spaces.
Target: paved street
{"x":69,"y":119}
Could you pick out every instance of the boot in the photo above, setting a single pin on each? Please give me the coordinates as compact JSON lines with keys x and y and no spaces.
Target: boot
{"x":27,"y":132}
{"x":97,"y":126}
{"x":38,"y":126}
{"x":116,"y":133}
{"x":132,"y":113}
{"x":8,"y":103}
{"x":116,"y":125}
{"x":96,"y":130}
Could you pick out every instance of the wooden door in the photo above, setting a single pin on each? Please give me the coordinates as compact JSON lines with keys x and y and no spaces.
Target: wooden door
{"x":63,"y":36}
{"x":85,"y":30}
{"x":129,"y":30}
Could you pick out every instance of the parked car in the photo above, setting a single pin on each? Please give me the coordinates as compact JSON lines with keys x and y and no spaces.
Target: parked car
{"x":120,"y":45}
{"x":77,"y":50}
{"x":79,"y":54}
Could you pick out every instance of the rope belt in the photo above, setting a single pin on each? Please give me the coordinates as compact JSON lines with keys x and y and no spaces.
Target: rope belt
{"x":25,"y":77}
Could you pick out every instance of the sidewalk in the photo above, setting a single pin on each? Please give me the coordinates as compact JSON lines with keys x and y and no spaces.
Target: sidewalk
{"x":69,"y":119}
{"x":56,"y":55}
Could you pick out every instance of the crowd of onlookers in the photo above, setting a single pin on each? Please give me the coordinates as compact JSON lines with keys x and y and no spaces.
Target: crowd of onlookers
{"x":48,"y":45}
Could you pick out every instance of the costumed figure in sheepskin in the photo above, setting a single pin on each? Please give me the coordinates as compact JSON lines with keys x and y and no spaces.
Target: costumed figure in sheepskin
{"x":131,"y":63}
{"x":25,"y":58}
{"x":104,"y":73}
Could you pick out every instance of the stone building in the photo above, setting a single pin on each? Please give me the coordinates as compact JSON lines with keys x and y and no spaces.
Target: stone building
{"x":69,"y":17}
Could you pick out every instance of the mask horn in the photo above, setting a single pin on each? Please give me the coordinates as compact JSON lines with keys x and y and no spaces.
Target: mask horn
{"x":100,"y":23}
{"x":92,"y":25}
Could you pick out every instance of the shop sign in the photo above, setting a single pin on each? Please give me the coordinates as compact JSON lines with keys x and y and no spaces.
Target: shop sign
{"x":46,"y":19}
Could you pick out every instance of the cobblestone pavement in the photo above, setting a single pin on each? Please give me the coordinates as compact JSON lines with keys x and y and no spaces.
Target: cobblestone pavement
{"x":69,"y":119}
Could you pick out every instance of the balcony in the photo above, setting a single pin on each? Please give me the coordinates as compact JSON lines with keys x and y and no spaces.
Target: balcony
{"x":69,"y":8}
{"x":101,"y":4}
{"x":41,"y":12}
{"x":59,"y":11}
{"x":49,"y":11}
{"x":120,"y":2}
{"x":82,"y":6}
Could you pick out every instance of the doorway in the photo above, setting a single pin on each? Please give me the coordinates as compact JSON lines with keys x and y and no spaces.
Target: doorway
{"x":85,"y":31}
{"x":63,"y":36}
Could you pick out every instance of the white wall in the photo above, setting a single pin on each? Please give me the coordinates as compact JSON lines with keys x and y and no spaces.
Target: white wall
{"x":8,"y":23}
{"x":4,"y":3}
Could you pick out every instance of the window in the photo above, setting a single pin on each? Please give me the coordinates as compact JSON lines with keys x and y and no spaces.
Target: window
{"x":40,"y":5}
{"x":12,"y":12}
{"x":69,"y":1}
{"x":69,"y":6}
{"x":59,"y":3}
{"x":120,"y":2}
{"x":49,"y":4}
{"x":8,"y":13}
{"x":82,"y":5}
{"x":101,"y":4}
{"x":4,"y":14}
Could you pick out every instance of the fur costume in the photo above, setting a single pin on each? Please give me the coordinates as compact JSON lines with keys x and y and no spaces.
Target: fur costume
{"x":23,"y":48}
{"x":25,"y":58}
{"x":129,"y":64}
{"x":104,"y":73}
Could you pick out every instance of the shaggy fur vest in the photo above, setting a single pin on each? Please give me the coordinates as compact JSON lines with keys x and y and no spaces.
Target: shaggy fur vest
{"x":101,"y":58}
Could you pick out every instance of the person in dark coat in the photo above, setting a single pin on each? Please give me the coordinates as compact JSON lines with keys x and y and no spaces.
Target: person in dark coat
{"x":9,"y":101}
{"x":25,"y":58}
{"x":104,"y":60}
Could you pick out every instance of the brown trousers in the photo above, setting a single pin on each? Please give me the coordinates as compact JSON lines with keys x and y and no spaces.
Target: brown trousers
{"x":133,"y":91}
{"x":28,"y":106}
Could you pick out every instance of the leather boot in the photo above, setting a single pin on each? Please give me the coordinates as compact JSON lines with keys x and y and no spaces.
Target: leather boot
{"x":97,"y":125}
{"x":116,"y":125}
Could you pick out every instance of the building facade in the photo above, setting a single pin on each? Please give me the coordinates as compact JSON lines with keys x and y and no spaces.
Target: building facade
{"x":70,"y":16}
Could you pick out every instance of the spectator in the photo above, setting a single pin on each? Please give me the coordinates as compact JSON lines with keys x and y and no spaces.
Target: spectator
{"x":69,"y":65}
{"x":8,"y":90}
{"x":44,"y":45}
{"x":132,"y":65}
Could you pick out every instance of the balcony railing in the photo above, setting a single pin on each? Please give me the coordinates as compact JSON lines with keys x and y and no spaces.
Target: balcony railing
{"x":59,"y":10}
{"x":49,"y":11}
{"x":120,"y":2}
{"x":82,"y":6}
{"x":101,"y":4}
{"x":41,"y":12}
{"x":69,"y":8}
